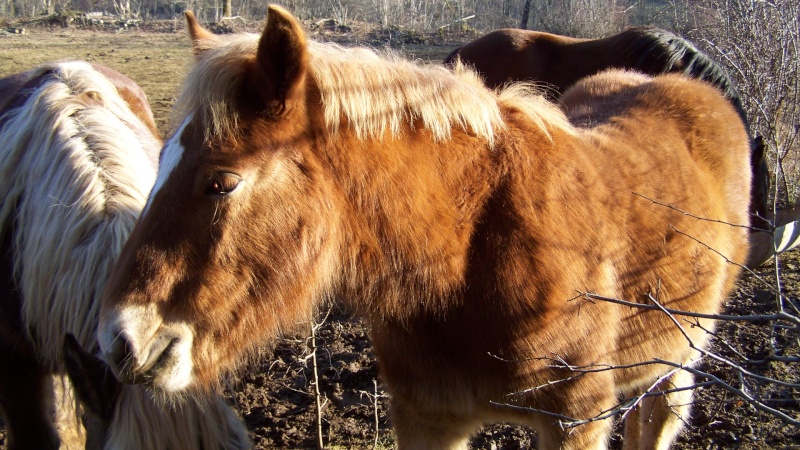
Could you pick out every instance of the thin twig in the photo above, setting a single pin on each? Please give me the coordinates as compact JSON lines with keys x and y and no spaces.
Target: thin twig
{"x":686,"y":213}
{"x":317,"y":393}
{"x":677,"y":312}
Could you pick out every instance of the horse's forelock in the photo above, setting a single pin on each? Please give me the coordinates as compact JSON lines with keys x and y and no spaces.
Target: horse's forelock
{"x":213,"y":86}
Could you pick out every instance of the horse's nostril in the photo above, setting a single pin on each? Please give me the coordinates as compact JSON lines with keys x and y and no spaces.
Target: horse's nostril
{"x":120,"y":357}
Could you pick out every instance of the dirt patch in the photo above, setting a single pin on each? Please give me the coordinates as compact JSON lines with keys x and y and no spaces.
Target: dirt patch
{"x":275,"y":396}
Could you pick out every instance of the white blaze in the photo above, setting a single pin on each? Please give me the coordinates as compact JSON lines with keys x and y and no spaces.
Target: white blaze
{"x":171,"y":156}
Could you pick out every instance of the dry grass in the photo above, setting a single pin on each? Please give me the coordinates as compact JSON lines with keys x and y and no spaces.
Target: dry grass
{"x":157,"y":61}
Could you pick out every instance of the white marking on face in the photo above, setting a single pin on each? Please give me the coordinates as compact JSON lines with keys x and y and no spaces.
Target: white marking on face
{"x":171,"y":156}
{"x":142,"y":326}
{"x":136,"y":322}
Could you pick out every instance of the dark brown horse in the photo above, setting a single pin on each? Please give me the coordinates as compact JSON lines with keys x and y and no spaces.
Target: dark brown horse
{"x":462,"y":223}
{"x":557,"y":62}
{"x":78,"y":158}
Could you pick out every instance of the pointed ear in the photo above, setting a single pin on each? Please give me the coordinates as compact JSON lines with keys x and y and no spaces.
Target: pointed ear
{"x":92,"y":379}
{"x":197,"y":34}
{"x":281,"y":60}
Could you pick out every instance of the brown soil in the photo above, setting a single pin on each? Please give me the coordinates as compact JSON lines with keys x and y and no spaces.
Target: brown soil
{"x":275,"y":396}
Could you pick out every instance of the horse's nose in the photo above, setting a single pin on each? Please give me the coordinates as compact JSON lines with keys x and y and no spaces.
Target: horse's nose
{"x":120,"y":357}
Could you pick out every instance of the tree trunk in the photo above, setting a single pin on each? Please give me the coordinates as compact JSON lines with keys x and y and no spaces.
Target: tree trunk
{"x":526,"y":10}
{"x":226,"y":8}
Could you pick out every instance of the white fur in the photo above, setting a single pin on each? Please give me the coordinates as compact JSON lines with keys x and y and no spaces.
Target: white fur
{"x":171,"y":156}
{"x":143,"y":325}
{"x":75,"y":174}
{"x":74,"y":178}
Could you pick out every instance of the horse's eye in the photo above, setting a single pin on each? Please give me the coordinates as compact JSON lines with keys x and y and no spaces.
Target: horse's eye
{"x":222,"y":183}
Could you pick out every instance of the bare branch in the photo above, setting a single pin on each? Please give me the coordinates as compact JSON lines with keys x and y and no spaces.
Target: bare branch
{"x":748,"y":318}
{"x":706,"y":219}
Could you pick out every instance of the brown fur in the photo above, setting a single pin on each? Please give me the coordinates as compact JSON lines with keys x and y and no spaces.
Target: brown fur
{"x":466,"y":252}
{"x":555,"y":63}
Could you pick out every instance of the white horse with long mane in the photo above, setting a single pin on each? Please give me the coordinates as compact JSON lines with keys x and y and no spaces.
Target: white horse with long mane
{"x":78,"y":160}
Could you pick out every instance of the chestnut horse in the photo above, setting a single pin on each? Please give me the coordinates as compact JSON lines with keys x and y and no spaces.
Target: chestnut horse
{"x":79,"y":157}
{"x":461,"y":223}
{"x":556,"y":62}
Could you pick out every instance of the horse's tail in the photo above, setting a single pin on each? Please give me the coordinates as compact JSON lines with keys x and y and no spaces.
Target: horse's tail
{"x":759,"y":195}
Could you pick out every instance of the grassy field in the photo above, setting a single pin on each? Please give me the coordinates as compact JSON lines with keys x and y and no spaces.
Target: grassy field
{"x":156,"y":61}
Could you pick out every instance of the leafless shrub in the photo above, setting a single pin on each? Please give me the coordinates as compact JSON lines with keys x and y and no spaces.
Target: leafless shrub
{"x":759,"y":43}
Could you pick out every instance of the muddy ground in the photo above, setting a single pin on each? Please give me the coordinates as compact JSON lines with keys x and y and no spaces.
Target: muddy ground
{"x":275,"y":396}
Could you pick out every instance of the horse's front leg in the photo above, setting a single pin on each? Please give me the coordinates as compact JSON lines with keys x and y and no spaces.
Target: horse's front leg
{"x":578,"y":422}
{"x":417,"y":430}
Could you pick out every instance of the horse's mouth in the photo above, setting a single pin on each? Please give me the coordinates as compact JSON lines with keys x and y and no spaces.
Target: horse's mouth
{"x":162,"y":355}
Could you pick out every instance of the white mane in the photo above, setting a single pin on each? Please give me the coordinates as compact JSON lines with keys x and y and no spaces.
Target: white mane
{"x":75,"y":176}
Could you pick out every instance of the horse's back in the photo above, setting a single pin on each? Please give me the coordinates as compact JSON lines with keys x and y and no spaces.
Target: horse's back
{"x":676,"y":157}
{"x":647,"y":202}
{"x":509,"y":55}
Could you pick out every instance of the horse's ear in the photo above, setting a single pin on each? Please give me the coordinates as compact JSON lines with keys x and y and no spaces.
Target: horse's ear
{"x":197,"y":34}
{"x":282,"y":58}
{"x":92,"y":379}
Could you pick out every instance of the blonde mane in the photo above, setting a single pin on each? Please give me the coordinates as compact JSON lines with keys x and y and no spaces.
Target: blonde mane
{"x":74,"y":183}
{"x":376,"y":94}
{"x":203,"y":423}
{"x":76,"y":174}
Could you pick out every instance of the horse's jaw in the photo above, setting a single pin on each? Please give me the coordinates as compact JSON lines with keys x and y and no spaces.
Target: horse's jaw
{"x":141,"y":348}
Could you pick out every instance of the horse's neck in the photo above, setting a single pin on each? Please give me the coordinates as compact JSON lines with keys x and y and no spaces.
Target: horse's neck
{"x":416,"y":206}
{"x":591,"y":56}
{"x":414,"y":203}
{"x":133,"y":95}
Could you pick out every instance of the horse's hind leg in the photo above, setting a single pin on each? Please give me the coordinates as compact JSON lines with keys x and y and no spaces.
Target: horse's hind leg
{"x":657,"y":421}
{"x":26,"y":394}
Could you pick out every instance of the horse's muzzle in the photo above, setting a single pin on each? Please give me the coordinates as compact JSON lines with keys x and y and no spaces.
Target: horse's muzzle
{"x":133,"y":367}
